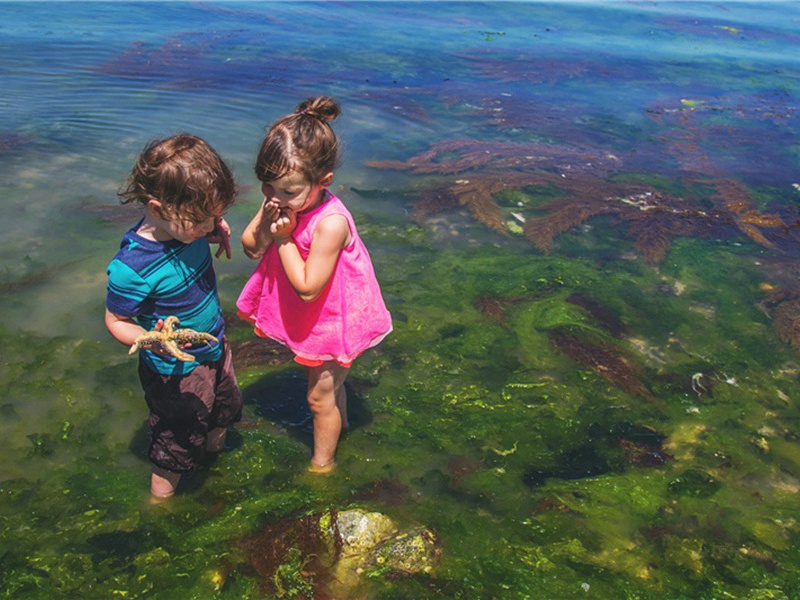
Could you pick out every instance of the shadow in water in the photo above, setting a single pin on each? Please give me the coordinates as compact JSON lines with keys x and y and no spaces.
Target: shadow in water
{"x":121,"y":547}
{"x":140,"y":442}
{"x":281,"y":399}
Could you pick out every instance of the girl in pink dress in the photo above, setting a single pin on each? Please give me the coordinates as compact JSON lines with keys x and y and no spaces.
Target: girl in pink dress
{"x":314,"y":289}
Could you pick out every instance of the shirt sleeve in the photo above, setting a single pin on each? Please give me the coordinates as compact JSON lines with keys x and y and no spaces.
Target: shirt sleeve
{"x":127,"y":291}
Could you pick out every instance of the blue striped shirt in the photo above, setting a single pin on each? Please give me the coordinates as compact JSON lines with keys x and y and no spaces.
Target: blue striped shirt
{"x":150,"y":280}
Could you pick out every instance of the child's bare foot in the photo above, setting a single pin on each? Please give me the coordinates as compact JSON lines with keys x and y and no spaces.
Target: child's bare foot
{"x":162,"y":484}
{"x":321,"y":469}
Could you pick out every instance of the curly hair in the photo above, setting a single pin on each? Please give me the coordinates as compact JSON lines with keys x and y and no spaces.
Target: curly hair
{"x":302,"y":141}
{"x":184,"y":174}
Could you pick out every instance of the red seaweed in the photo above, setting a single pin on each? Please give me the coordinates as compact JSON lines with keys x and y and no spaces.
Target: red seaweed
{"x":609,"y":362}
{"x":653,"y":217}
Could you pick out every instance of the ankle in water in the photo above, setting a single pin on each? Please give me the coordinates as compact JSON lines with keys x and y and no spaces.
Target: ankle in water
{"x":321,"y":469}
{"x":163,"y":483}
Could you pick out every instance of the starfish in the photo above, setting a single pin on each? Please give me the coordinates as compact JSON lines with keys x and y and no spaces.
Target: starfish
{"x":170,"y":340}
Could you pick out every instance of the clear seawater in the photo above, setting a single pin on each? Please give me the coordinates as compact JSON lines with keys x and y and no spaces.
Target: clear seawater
{"x":603,"y":406}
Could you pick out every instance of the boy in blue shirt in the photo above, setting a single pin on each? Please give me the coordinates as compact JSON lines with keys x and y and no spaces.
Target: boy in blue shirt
{"x":164,"y":268}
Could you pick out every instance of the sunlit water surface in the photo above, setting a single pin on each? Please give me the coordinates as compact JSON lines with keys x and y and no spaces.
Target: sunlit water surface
{"x":583,"y":219}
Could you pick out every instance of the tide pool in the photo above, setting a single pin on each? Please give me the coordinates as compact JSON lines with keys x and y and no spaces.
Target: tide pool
{"x":584,"y":220}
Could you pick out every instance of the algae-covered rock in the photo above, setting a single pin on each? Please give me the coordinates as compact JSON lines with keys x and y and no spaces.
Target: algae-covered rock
{"x":335,"y":549}
{"x":358,"y":530}
{"x":412,"y":552}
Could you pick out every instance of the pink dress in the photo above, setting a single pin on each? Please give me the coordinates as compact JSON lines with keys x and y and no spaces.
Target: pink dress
{"x":349,"y":315}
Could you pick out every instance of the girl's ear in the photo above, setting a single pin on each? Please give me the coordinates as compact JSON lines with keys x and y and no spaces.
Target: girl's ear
{"x":326,"y":179}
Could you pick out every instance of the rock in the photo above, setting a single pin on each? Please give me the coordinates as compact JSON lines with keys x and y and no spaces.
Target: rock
{"x":412,"y":552}
{"x":358,"y":531}
{"x":335,"y":549}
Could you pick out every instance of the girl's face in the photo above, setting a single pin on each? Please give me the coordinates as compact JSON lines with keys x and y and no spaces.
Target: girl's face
{"x":292,"y":191}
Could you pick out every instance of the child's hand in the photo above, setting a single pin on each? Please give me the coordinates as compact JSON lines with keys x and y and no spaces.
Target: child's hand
{"x":155,"y":349}
{"x":163,"y":353}
{"x":283,"y":226}
{"x":271,"y":210}
{"x":222,"y":236}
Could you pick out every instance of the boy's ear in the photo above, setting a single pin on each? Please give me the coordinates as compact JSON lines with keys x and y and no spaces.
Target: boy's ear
{"x":326,"y":179}
{"x":156,"y":208}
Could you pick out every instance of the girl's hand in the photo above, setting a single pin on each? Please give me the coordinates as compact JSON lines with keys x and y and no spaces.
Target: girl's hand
{"x":222,"y":236}
{"x":258,"y":235}
{"x":284,"y":225}
{"x":271,"y":210}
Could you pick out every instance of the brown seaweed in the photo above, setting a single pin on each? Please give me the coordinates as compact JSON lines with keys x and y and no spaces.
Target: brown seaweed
{"x":276,"y":545}
{"x":9,"y":141}
{"x":390,"y":492}
{"x":201,"y":60}
{"x":600,"y":313}
{"x":642,"y":446}
{"x":653,"y":217}
{"x":698,"y":132}
{"x":782,"y":304}
{"x":493,"y":308}
{"x":461,"y":466}
{"x":461,"y":155}
{"x":604,"y":359}
{"x":497,"y":166}
{"x":531,"y":70}
{"x":694,"y":133}
{"x":786,"y":320}
{"x":548,"y":504}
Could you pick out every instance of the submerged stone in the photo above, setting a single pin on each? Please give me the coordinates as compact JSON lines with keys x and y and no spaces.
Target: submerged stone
{"x":357,"y":531}
{"x":413,"y":552}
{"x":333,"y":550}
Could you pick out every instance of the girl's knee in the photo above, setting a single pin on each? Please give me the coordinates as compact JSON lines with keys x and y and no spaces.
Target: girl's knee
{"x":321,"y":403}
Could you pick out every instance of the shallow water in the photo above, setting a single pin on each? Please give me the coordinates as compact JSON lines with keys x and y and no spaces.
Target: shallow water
{"x":583,"y":219}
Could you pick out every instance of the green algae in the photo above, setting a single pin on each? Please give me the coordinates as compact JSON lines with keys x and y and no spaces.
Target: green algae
{"x":510,"y":451}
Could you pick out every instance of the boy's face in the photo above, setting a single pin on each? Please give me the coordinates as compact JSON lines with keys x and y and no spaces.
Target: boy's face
{"x":188,"y":230}
{"x":292,"y":191}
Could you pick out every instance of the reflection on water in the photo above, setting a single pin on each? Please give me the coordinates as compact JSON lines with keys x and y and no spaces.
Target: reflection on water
{"x":584,"y":221}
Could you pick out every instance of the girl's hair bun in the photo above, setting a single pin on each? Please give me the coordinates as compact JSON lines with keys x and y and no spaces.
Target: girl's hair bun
{"x":301,"y":141}
{"x":324,"y":108}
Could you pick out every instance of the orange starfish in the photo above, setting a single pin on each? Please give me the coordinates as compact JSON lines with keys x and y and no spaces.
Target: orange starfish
{"x":171,"y":340}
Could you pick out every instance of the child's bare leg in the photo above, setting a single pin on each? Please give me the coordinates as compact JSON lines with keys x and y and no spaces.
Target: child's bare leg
{"x":163,"y":483}
{"x":215,"y":441}
{"x":324,"y":383}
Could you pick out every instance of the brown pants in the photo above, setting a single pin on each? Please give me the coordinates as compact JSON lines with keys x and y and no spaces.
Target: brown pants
{"x":183,"y":409}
